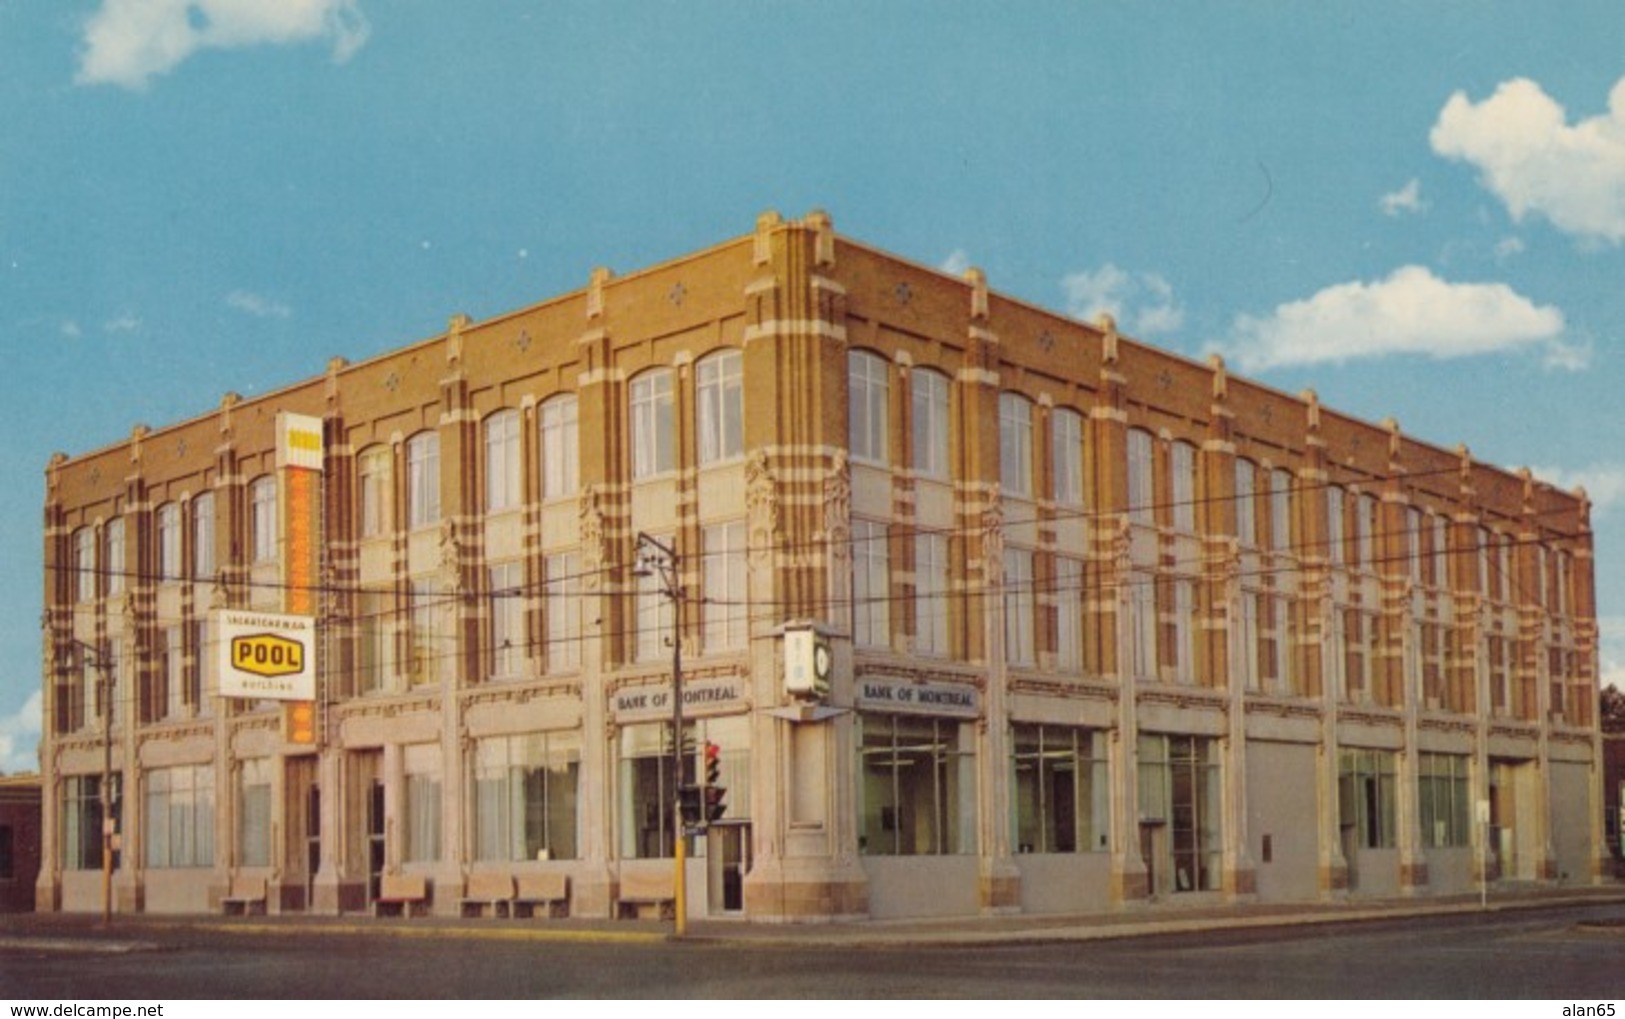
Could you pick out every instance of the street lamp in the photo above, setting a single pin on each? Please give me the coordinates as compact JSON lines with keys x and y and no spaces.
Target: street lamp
{"x":653,"y":557}
{"x":97,"y":659}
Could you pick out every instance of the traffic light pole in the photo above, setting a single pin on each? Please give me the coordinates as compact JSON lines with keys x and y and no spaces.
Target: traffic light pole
{"x":653,"y":556}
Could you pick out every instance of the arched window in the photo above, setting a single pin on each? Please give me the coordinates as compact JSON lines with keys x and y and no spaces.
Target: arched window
{"x":1141,"y":489}
{"x":262,"y":517}
{"x":561,"y":473}
{"x":169,"y":542}
{"x":654,"y":445}
{"x":203,"y":536}
{"x":423,"y":480}
{"x":375,"y":469}
{"x":867,"y":407}
{"x":1016,"y":444}
{"x":720,"y":392}
{"x":504,"y":488}
{"x":929,"y":420}
{"x":1066,"y":453}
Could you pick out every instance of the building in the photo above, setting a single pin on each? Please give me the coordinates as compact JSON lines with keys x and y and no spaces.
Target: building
{"x":1072,"y":623}
{"x":19,"y":842}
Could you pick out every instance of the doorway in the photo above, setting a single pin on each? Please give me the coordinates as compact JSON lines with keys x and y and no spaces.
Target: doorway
{"x":727,"y":852}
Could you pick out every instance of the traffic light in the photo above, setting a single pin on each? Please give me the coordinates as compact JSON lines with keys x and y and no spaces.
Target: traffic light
{"x":715,"y":794}
{"x":688,"y":803}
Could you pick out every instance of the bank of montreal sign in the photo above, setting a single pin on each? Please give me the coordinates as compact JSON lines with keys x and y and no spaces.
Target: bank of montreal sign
{"x":266,"y":656}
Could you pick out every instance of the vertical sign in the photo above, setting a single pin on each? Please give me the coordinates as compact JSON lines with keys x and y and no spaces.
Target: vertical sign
{"x":299,"y":457}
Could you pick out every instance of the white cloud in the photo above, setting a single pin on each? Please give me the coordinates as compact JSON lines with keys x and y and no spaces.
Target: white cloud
{"x":127,"y":42}
{"x":1406,"y":199}
{"x":1141,"y":303}
{"x":71,"y":330}
{"x":260,"y":307}
{"x":956,"y":263}
{"x":19,"y":737}
{"x":1535,"y":162}
{"x":1506,"y":247}
{"x":1604,"y":484}
{"x":1410,"y":312}
{"x":124,"y":323}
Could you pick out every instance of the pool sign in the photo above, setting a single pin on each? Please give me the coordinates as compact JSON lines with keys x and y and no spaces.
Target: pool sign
{"x":267,"y":656}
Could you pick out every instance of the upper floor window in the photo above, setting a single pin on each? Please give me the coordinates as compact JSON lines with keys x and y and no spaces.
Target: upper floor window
{"x":1441,"y":551}
{"x":724,"y":582}
{"x":422,"y":480}
{"x":169,"y":542}
{"x":1280,"y":509}
{"x":561,"y":474}
{"x":1015,"y":444}
{"x":503,"y":482}
{"x":203,"y":536}
{"x":1365,"y":528}
{"x":1334,"y":525}
{"x":868,"y":406}
{"x":375,"y":469}
{"x":1141,"y":491}
{"x":931,"y":593}
{"x":871,"y":578}
{"x":1246,"y":504}
{"x":1066,"y":450}
{"x":720,"y":391}
{"x":262,"y":517}
{"x":1183,"y":496}
{"x":113,"y":538}
{"x":929,"y":396}
{"x":84,"y":564}
{"x":654,"y":426}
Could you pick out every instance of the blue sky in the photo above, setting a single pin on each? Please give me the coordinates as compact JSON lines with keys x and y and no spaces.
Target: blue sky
{"x":1416,"y":208}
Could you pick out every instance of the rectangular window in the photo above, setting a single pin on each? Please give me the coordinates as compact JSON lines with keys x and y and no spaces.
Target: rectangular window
{"x":871,"y":585}
{"x":179,"y":821}
{"x":1068,"y":614}
{"x":1334,"y":525}
{"x":724,"y":604}
{"x":1066,"y":453}
{"x":918,"y":788}
{"x":203,"y":536}
{"x":561,"y":443}
{"x":1019,"y":635}
{"x":868,"y":407}
{"x":525,"y":797}
{"x":82,"y":815}
{"x":1016,"y":445}
{"x":1182,"y":631}
{"x":1442,"y":800}
{"x":114,"y":566}
{"x":423,"y":480}
{"x":375,"y":615}
{"x":1061,"y":797}
{"x":719,"y":388}
{"x":563,"y":607}
{"x":929,"y":395}
{"x":375,"y":473}
{"x":504,"y":484}
{"x":423,"y":803}
{"x":1365,"y":531}
{"x":656,"y":615}
{"x":1366,"y":797}
{"x":1143,"y":620}
{"x":1179,"y":789}
{"x":654,"y":437}
{"x":254,"y":812}
{"x":174,"y":668}
{"x":507,"y":594}
{"x":931,"y":593}
{"x":429,"y":645}
{"x":646,"y":781}
{"x":262,"y":518}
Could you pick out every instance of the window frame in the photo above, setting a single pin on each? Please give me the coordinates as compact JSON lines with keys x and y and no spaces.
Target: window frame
{"x":868,"y":431}
{"x":651,"y":407}
{"x":719,"y":390}
{"x":504,"y":474}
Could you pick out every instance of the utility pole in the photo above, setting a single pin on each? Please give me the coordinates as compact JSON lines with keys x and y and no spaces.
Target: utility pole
{"x":655,"y":557}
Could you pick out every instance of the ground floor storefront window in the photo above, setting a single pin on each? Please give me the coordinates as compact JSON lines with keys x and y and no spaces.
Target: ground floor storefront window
{"x":1061,"y":797}
{"x":179,"y":821}
{"x":82,"y":812}
{"x":1180,"y":815}
{"x":1366,"y":797}
{"x":647,"y":787}
{"x":917,"y":786}
{"x":525,"y":790}
{"x":1442,"y":800}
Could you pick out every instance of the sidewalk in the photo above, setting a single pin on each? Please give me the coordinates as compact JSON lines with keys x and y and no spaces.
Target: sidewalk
{"x":81,"y":932}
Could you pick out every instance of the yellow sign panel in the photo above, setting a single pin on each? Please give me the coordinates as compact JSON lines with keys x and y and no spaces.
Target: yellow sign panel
{"x":266,"y":654}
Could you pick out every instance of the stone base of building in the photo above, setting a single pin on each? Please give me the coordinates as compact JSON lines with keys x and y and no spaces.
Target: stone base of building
{"x":813,"y":892}
{"x":999,"y":887}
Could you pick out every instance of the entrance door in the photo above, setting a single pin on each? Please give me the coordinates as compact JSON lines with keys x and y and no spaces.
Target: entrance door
{"x":727,"y":851}
{"x":302,"y":822}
